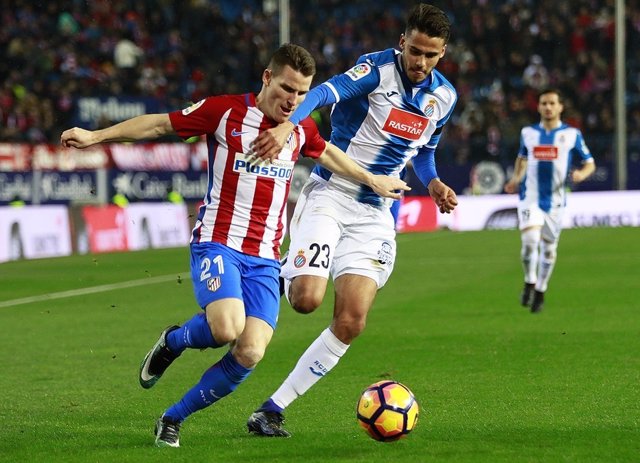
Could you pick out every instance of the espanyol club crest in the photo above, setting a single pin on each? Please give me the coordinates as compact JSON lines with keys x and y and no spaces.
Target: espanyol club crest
{"x":213,"y":284}
{"x":299,"y":260}
{"x":430,"y":108}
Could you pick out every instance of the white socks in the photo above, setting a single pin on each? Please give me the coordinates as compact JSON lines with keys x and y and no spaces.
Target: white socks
{"x":319,"y":358}
{"x":529,"y":254}
{"x":547,"y":262}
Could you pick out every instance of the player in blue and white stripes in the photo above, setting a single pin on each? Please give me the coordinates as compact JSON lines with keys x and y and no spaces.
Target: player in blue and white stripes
{"x":388,"y":109}
{"x":543,"y":165}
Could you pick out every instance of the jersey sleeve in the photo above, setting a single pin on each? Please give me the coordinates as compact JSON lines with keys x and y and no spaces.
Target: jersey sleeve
{"x":424,"y":165}
{"x":200,"y":118}
{"x":522,"y":150}
{"x":314,"y":145}
{"x":582,"y":149}
{"x":361,"y":79}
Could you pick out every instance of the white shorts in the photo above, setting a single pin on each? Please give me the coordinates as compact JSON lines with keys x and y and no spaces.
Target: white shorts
{"x":530,"y":215}
{"x":332,"y":233}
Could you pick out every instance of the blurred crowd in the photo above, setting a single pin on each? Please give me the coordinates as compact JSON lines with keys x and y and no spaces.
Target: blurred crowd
{"x":500,"y":54}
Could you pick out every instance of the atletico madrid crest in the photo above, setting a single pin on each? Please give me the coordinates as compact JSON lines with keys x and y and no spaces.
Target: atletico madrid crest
{"x":213,"y":284}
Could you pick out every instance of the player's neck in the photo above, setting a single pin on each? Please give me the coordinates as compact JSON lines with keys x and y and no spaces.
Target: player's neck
{"x":550,"y":124}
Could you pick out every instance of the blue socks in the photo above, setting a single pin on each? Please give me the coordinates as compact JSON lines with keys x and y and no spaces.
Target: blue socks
{"x":195,"y":333}
{"x":218,"y":381}
{"x":270,"y":406}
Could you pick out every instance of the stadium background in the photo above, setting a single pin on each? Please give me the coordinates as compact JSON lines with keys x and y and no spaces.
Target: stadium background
{"x":91,"y":64}
{"x":495,"y":383}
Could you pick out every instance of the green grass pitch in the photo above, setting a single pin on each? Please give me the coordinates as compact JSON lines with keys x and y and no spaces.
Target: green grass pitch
{"x":494,"y":382}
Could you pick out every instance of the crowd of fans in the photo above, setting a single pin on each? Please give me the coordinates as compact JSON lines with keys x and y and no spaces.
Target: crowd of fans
{"x":500,"y":54}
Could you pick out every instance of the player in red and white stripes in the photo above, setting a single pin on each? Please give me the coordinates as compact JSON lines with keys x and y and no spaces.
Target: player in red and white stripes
{"x":235,"y":245}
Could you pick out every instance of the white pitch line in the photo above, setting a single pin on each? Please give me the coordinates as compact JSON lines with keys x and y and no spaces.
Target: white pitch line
{"x":95,"y":289}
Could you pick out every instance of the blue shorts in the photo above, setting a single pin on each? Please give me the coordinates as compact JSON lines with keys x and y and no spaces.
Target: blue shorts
{"x":219,"y":272}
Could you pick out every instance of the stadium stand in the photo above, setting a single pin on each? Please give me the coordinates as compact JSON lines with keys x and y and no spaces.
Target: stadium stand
{"x":176,"y":52}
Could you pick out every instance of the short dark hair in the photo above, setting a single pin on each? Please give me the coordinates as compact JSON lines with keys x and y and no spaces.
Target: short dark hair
{"x":429,"y":20}
{"x":545,"y":91}
{"x":295,"y":56}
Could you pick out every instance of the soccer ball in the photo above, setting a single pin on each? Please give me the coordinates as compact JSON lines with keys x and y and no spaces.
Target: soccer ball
{"x":387,"y":410}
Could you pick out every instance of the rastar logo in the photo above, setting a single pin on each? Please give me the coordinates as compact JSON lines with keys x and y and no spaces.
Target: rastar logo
{"x":545,"y":152}
{"x":405,"y":124}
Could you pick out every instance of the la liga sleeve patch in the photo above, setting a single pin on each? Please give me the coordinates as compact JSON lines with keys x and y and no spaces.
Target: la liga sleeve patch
{"x":359,"y":71}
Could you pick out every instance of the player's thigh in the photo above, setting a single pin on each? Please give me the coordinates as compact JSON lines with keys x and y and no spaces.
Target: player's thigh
{"x":261,"y":289}
{"x":367,"y":247}
{"x":530,"y":215}
{"x":215,"y":273}
{"x":553,"y":225}
{"x":226,"y":318}
{"x":355,"y":295}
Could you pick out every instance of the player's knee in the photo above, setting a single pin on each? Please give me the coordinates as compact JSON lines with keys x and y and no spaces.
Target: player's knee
{"x":305,"y":299}
{"x":248,"y":355}
{"x":347,"y":329}
{"x":226,"y":330}
{"x":549,"y":250}
{"x":530,"y":242}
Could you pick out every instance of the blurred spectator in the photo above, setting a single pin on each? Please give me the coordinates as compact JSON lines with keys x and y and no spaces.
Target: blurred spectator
{"x":535,"y":74}
{"x":126,"y":56}
{"x":177,"y":52}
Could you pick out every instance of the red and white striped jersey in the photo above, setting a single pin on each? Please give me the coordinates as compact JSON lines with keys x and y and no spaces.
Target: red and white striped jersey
{"x":245,"y":200}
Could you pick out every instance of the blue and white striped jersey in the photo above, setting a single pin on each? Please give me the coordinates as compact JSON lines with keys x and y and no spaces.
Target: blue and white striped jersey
{"x":382,"y":120}
{"x":549,"y":156}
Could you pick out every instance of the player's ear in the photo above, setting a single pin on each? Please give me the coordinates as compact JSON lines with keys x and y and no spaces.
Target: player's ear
{"x":266,"y":77}
{"x":401,"y":42}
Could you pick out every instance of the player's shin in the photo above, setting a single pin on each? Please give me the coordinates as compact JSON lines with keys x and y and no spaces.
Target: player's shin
{"x":547,"y":262}
{"x":319,"y":358}
{"x":195,"y":334}
{"x":529,"y":254}
{"x":217,"y":382}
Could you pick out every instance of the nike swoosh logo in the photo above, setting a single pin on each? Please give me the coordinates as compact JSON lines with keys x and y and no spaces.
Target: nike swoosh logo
{"x":235,"y":133}
{"x":390,"y":94}
{"x":316,"y":372}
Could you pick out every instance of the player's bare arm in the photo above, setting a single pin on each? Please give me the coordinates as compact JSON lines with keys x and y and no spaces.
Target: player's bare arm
{"x":444,"y":197}
{"x":269,"y":143}
{"x":580,"y":175}
{"x":338,"y":162}
{"x":148,"y":126}
{"x":512,"y":185}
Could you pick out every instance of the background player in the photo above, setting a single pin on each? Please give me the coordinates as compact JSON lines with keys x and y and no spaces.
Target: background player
{"x":389,"y":108}
{"x":540,"y":174}
{"x":235,"y":243}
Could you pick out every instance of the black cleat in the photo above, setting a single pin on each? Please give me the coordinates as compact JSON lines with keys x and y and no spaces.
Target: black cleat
{"x":538,"y":302}
{"x":157,"y":360}
{"x":268,"y":424}
{"x":167,"y":432}
{"x":527,"y":294}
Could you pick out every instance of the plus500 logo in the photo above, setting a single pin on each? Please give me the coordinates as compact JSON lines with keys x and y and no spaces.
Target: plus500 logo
{"x":276,"y":170}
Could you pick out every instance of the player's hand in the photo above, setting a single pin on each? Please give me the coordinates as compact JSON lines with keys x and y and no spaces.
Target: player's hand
{"x":511,"y":187}
{"x":444,"y":197}
{"x":269,"y":144}
{"x":577,"y":176}
{"x":77,"y":138}
{"x":389,"y":187}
